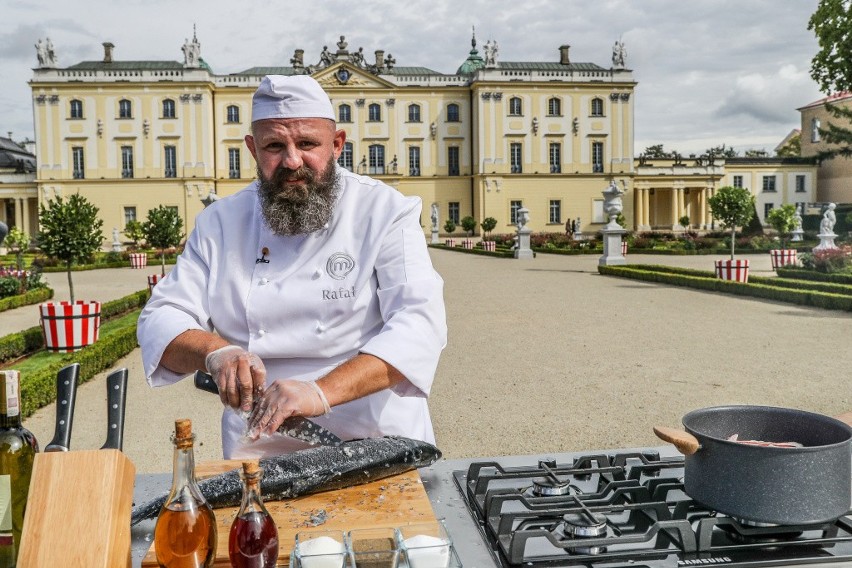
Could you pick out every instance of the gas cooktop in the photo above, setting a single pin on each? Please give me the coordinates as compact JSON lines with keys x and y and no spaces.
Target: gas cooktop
{"x":627,"y":509}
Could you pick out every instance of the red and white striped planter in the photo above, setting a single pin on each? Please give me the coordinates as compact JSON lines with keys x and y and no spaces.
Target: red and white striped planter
{"x":467,"y":243}
{"x":735,"y":270}
{"x":153,"y":279}
{"x":623,"y":248}
{"x":783,"y":257}
{"x":138,"y":260}
{"x":69,"y":327}
{"x":490,"y":246}
{"x":450,"y":243}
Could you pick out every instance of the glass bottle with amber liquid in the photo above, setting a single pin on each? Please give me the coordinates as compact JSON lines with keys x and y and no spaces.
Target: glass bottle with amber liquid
{"x":253,"y":542}
{"x":185,"y":535}
{"x":18,"y":448}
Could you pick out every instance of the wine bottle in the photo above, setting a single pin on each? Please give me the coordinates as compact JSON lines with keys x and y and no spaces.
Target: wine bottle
{"x":18,"y":448}
{"x":253,"y":541}
{"x":185,"y":535}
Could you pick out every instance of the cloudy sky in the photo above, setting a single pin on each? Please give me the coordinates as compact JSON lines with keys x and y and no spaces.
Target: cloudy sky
{"x":710,"y":72}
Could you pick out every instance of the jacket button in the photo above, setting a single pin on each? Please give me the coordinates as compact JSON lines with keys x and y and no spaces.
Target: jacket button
{"x":320,"y":328}
{"x":261,"y":332}
{"x":264,"y":281}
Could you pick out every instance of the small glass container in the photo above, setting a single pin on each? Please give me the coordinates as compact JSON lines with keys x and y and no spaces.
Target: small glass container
{"x":373,"y":548}
{"x":426,"y":545}
{"x":320,"y":549}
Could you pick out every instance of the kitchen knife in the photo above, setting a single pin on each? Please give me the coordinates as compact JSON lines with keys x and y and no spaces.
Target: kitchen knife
{"x":116,"y":402}
{"x":297,"y":427}
{"x":66,"y":393}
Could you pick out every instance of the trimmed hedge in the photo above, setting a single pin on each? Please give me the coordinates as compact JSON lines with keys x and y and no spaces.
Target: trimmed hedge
{"x":27,"y":298}
{"x":20,"y":344}
{"x":117,"y":264}
{"x":805,"y":274}
{"x":39,"y":389}
{"x":819,"y":299}
{"x":498,"y":253}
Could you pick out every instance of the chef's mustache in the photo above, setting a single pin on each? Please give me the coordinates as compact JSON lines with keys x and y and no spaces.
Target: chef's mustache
{"x":283,"y":179}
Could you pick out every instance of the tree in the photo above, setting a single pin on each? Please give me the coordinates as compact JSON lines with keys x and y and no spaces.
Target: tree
{"x":732,"y":207}
{"x":468,"y":224}
{"x":722,"y":151}
{"x":488,"y":225}
{"x":684,"y":221}
{"x":18,"y":241}
{"x":656,"y":151}
{"x":793,"y":147}
{"x":831,"y":68}
{"x":783,"y":220}
{"x":449,"y":226}
{"x":70,"y":230}
{"x":133,"y":231}
{"x":163,"y":228}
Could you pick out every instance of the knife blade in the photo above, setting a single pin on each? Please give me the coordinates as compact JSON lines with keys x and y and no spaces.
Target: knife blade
{"x":116,"y":403}
{"x":66,"y":394}
{"x":297,"y":427}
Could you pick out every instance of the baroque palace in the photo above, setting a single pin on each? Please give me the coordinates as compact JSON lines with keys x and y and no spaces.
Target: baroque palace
{"x":484,"y":141}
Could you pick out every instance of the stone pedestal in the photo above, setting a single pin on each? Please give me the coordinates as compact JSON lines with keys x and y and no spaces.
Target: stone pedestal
{"x":826,"y":242}
{"x":798,"y":235}
{"x":523,"y":251}
{"x":612,"y":255}
{"x":435,"y":239}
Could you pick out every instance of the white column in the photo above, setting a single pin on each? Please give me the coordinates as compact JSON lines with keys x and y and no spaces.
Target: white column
{"x":673,"y":208}
{"x":25,"y":216}
{"x":646,"y":208}
{"x":18,"y":214}
{"x":638,"y":213}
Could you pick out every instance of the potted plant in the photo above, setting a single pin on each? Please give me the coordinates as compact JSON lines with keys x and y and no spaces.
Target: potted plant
{"x":488,"y":224}
{"x":469,"y":225}
{"x":732,"y":207}
{"x":783,"y":220}
{"x":70,"y":231}
{"x":163,"y":229}
{"x":449,"y":227}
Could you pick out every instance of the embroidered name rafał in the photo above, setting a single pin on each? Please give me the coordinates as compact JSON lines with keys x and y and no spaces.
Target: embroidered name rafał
{"x":338,"y":294}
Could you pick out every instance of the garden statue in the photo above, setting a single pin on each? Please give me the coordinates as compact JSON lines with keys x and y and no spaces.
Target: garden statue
{"x":613,"y":232}
{"x":435,"y":223}
{"x":826,"y":229}
{"x":523,"y":250}
{"x":613,"y":205}
{"x":4,"y":230}
{"x":798,"y":231}
{"x":116,"y":242}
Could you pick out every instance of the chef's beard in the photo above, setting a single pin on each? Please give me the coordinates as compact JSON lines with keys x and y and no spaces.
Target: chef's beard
{"x":298,"y":209}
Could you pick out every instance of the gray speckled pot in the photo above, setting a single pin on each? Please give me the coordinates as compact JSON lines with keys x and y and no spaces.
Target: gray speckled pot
{"x":812,"y":484}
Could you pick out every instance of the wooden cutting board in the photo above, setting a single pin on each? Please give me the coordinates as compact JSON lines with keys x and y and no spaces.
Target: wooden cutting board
{"x":78,"y":510}
{"x":391,"y":502}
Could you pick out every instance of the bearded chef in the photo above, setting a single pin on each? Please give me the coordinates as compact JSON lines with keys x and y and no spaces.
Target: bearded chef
{"x":308,"y":293}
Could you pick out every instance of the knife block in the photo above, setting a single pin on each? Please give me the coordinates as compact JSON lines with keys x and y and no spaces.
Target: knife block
{"x":78,"y":510}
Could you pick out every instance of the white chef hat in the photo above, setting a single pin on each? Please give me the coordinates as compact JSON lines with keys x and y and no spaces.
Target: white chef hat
{"x":299,"y":96}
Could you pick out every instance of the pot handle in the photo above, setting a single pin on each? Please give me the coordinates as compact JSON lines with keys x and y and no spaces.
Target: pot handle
{"x":686,"y":443}
{"x":846,"y":418}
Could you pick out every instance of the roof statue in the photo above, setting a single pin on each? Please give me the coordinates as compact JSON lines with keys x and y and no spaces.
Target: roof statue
{"x":192,"y":51}
{"x":341,"y":45}
{"x":491,"y":51}
{"x":45,"y":53}
{"x":619,"y":54}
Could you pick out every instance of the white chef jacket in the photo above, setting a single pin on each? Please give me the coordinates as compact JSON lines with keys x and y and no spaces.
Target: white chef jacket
{"x":363,"y":284}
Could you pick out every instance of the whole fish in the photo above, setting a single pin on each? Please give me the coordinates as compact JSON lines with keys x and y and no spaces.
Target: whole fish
{"x":303,"y":472}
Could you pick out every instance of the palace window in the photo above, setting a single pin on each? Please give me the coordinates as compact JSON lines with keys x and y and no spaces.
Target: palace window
{"x":125,"y":109}
{"x":554,"y":107}
{"x":170,"y":161}
{"x":76,"y":109}
{"x":453,"y":212}
{"x":234,"y":163}
{"x":815,"y":126}
{"x":453,"y":112}
{"x":414,"y":161}
{"x":127,"y":161}
{"x":515,"y":157}
{"x":555,"y":157}
{"x":555,"y":211}
{"x":413,"y":113}
{"x":129,"y":215}
{"x":597,"y":157}
{"x":453,"y":160}
{"x":233,"y":113}
{"x":738,"y":181}
{"x":514,"y":206}
{"x":377,"y":159}
{"x":346,"y":157}
{"x":800,"y":184}
{"x":515,"y":107}
{"x":168,"y":108}
{"x":769,"y":183}
{"x":597,"y":107}
{"x":767,"y":207}
{"x":78,"y":162}
{"x":344,"y":113}
{"x":375,"y":112}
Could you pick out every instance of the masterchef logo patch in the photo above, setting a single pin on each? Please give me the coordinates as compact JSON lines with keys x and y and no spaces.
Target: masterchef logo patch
{"x":339,"y":265}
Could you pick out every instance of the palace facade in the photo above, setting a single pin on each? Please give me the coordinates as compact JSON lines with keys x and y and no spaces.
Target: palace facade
{"x":484,"y":141}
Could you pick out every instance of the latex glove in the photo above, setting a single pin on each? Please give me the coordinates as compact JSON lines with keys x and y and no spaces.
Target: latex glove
{"x":283,"y":399}
{"x":240,"y":376}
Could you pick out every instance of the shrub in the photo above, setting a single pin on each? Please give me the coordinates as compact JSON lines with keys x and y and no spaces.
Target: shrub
{"x":827,"y":261}
{"x":9,"y":286}
{"x":468,"y":224}
{"x":449,"y":226}
{"x":163,"y":230}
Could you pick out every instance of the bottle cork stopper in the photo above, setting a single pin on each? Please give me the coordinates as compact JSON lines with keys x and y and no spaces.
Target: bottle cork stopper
{"x":251,"y":468}
{"x":183,"y":428}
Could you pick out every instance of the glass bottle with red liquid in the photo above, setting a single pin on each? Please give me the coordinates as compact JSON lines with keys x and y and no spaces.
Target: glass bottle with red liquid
{"x":253,"y":542}
{"x":185,"y":535}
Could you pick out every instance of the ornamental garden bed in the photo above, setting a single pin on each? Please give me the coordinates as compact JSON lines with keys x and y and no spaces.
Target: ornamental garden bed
{"x":825,"y":295}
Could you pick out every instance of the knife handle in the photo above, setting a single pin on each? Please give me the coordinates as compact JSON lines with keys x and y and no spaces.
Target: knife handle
{"x":205,"y":382}
{"x":116,"y":402}
{"x":66,"y":394}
